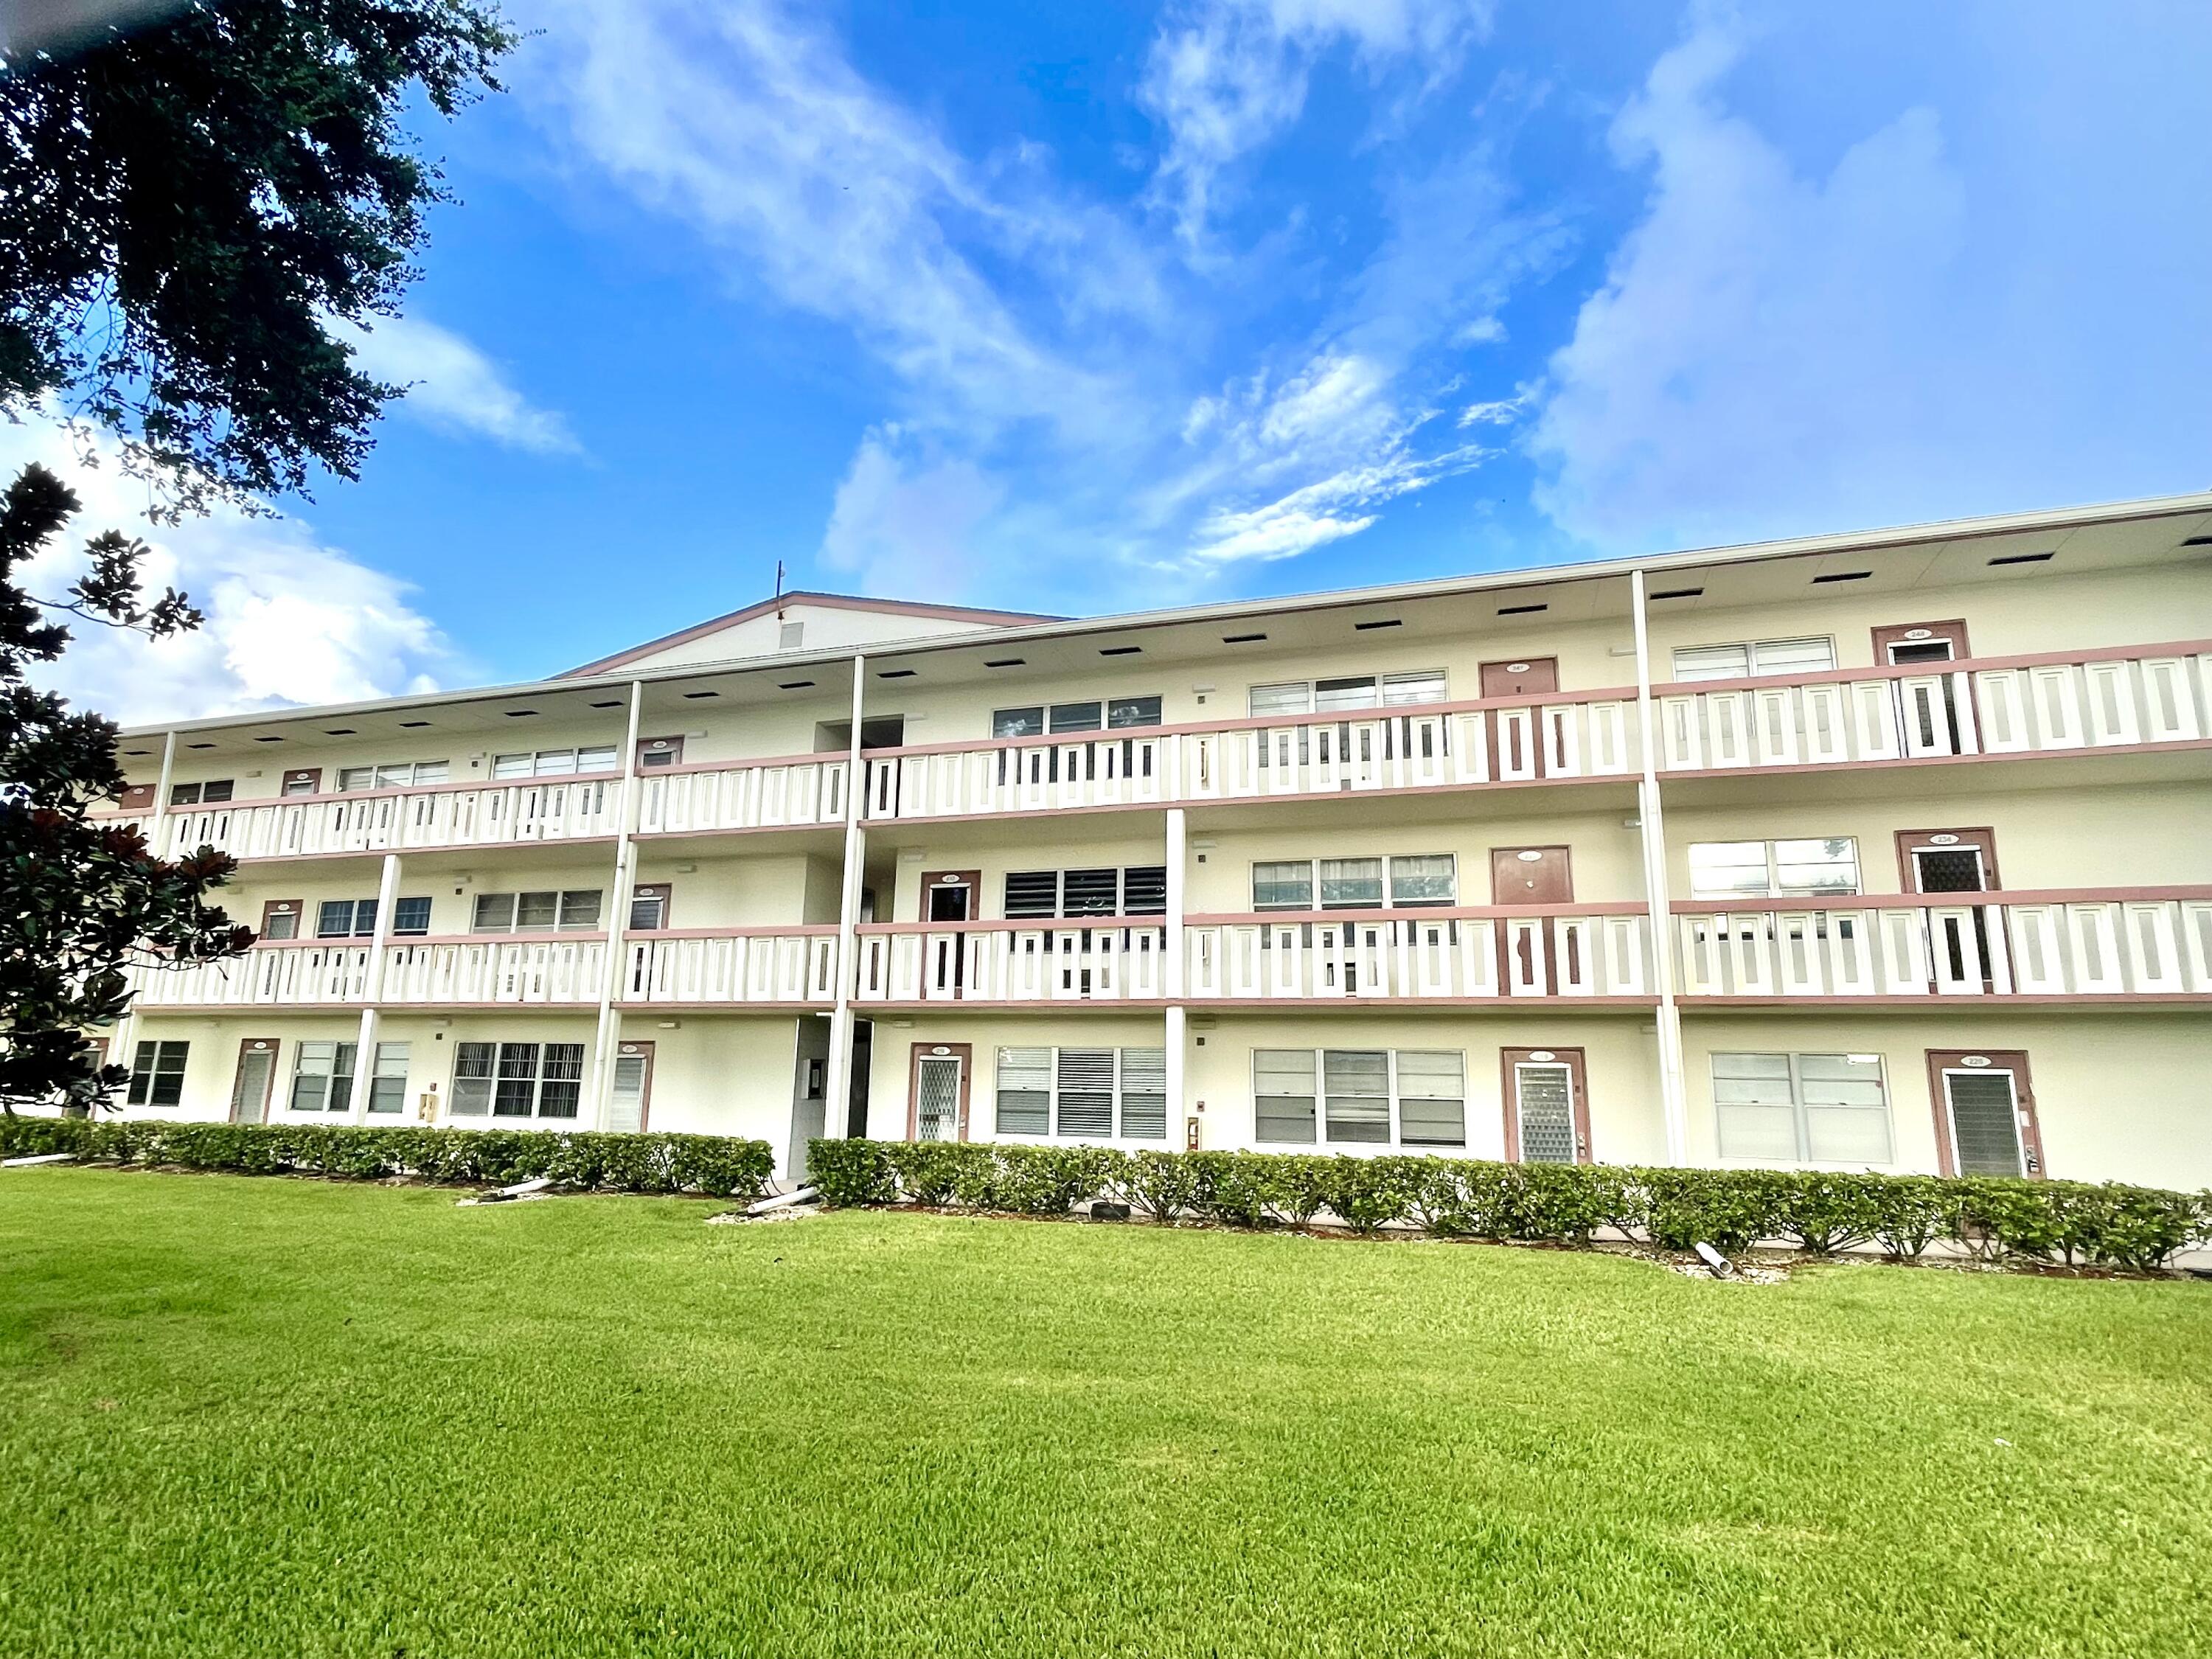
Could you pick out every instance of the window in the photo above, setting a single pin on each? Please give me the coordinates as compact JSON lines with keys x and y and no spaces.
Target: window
{"x":345,"y":918}
{"x":157,"y":1075}
{"x":1773,"y":869}
{"x":1094,"y":1094}
{"x":1349,"y":692}
{"x":1362,"y":1092}
{"x":1355,"y":884}
{"x":200,"y":794}
{"x":1038,"y":895}
{"x":356,"y":918}
{"x":393,"y":775}
{"x":518,"y":1079}
{"x":322,"y":1077}
{"x":1111,"y":713}
{"x":1824,"y":1109}
{"x":649,"y":906}
{"x":554,"y":762}
{"x":534,"y":912}
{"x":323,"y":1074}
{"x":1754,"y":657}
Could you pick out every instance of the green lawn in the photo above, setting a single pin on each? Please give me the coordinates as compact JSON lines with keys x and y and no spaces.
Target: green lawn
{"x":273,"y":1417}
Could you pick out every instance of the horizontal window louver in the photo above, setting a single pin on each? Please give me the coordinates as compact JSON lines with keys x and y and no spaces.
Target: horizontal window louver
{"x":1432,"y":1099}
{"x":1031,"y":894}
{"x":1090,"y":892}
{"x":1024,"y":1080}
{"x":1356,"y":1085}
{"x":1144,"y":1093}
{"x":1086,"y":1092}
{"x":1144,"y":890}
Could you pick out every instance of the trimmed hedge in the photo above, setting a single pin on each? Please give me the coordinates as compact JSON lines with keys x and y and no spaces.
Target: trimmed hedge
{"x":717,"y":1164}
{"x":2069,"y":1222}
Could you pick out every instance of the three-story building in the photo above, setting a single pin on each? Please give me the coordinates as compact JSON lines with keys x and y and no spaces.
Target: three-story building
{"x":1883,"y":851}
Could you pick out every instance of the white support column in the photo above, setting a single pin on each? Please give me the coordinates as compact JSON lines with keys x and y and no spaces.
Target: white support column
{"x":1172,"y":979}
{"x":837,"y":1087}
{"x":125,"y":1038}
{"x":609,"y":1036}
{"x":1674,"y":1093}
{"x":372,"y":989}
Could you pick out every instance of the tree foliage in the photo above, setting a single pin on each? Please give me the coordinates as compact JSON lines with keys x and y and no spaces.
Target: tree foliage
{"x":80,"y":899}
{"x":186,"y":207}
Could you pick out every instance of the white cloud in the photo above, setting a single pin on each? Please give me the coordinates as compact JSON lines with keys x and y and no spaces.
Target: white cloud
{"x":1225,"y":77}
{"x":453,"y":386}
{"x":1984,"y":301}
{"x":289,"y":619}
{"x":904,"y":521}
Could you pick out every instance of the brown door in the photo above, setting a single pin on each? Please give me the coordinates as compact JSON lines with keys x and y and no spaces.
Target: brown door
{"x":1984,"y":1113}
{"x":937,"y":1091}
{"x":1530,"y":875}
{"x":135,"y":798}
{"x":649,"y":904}
{"x":1547,"y":1106}
{"x":655,"y":753}
{"x":630,"y":1103}
{"x":1910,"y":643}
{"x":281,"y":918}
{"x":952,"y":895}
{"x":255,"y":1077}
{"x":303,"y":780}
{"x":1947,"y":862}
{"x":1519,"y":740}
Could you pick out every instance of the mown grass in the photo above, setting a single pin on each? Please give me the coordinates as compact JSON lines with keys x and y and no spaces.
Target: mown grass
{"x":290,"y":1417}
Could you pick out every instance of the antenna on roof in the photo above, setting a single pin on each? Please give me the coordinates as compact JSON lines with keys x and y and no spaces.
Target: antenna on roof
{"x":779,"y":590}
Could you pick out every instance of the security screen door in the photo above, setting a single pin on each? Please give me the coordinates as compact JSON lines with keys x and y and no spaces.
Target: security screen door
{"x":1985,"y":1113}
{"x":939,"y":1073}
{"x":1546,"y":1107}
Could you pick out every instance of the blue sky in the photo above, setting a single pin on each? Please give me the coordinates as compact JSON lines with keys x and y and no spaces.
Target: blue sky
{"x":1092,"y":309}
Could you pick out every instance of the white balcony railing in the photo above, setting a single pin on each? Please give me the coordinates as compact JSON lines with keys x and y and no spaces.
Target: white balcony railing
{"x":2053,"y":703}
{"x":1078,"y":961}
{"x":793,"y":965}
{"x":2003,"y":705}
{"x":480,"y":815}
{"x":1587,"y":950}
{"x":422,"y":972}
{"x":2069,"y":944}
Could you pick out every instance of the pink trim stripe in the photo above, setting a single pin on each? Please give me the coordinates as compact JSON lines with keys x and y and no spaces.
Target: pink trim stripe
{"x":1942,"y":900}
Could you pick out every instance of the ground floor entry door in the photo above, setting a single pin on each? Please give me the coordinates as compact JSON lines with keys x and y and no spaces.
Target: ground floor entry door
{"x":940,"y":1092}
{"x":1547,"y":1106}
{"x":257,"y":1073}
{"x":1984,"y":1113}
{"x":632,"y":1089}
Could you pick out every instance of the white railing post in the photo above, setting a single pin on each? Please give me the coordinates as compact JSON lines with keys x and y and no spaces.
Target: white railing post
{"x":837,"y":1085}
{"x":1674,"y":1102}
{"x":609,"y":1031}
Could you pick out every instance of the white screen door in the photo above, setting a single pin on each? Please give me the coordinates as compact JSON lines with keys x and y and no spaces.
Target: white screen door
{"x":1545,"y":1095}
{"x":937,"y":1097}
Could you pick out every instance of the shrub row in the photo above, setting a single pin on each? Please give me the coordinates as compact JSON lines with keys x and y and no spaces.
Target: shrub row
{"x":716,"y":1164}
{"x":2056,"y":1221}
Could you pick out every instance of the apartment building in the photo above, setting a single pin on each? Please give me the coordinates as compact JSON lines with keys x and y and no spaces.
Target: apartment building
{"x":1884,"y":851}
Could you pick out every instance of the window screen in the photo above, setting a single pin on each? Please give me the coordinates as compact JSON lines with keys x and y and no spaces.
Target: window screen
{"x":410,"y":915}
{"x":1269,"y":700}
{"x":1085,"y":1105}
{"x":387,"y":1088}
{"x":1283,"y":1094}
{"x":1283,"y":885}
{"x":475,"y":1065}
{"x":1350,"y":883}
{"x":322,"y":1077}
{"x":1356,"y":1093}
{"x":1024,"y":1091}
{"x":1125,"y":712}
{"x":1432,"y":1098}
{"x":1826,"y":1109}
{"x":1144,"y":1093}
{"x":1427,"y":685}
{"x":1429,"y":878}
{"x":1782,"y":869}
{"x":1741,"y":661}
